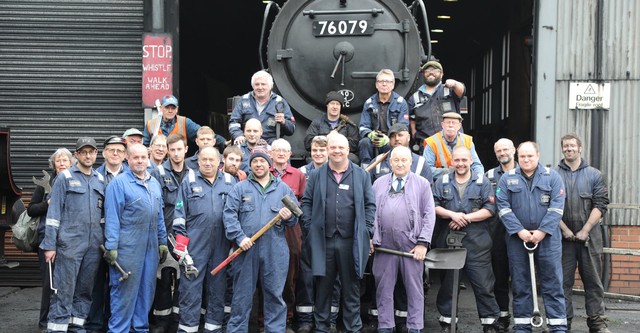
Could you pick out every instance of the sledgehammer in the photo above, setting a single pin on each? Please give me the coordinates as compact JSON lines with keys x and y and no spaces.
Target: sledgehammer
{"x":125,"y":275}
{"x":289,"y":203}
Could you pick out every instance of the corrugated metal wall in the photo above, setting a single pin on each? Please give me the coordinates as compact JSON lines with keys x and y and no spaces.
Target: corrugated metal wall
{"x":67,"y":69}
{"x":578,"y":42}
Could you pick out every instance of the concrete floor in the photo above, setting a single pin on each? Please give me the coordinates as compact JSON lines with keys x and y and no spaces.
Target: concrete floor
{"x":19,"y":308}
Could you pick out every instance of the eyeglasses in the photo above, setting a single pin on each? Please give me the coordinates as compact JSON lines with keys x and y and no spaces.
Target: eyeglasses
{"x":385,"y":81}
{"x":114,"y":150}
{"x":451,"y":122}
{"x":280,"y":150}
{"x":159,"y":145}
{"x":87,"y":152}
{"x":432,"y":70}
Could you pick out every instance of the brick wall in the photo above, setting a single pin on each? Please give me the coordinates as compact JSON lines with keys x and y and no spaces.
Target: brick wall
{"x":625,"y":269}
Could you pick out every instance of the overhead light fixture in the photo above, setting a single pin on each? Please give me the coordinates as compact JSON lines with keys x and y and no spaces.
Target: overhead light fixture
{"x":437,"y":30}
{"x":450,"y":0}
{"x":444,"y":17}
{"x":434,"y":41}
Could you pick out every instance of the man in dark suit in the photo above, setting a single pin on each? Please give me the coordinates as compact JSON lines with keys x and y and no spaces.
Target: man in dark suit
{"x":339,"y":207}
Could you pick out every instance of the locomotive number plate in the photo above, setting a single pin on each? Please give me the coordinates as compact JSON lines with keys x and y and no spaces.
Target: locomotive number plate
{"x":324,"y":28}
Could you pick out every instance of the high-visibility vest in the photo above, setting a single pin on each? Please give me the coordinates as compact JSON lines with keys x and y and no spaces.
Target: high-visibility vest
{"x":439,"y":146}
{"x":179,"y":128}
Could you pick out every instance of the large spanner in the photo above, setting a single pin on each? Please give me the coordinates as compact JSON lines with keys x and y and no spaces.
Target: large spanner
{"x":536,"y":318}
{"x":190,"y":269}
{"x":125,"y":275}
{"x":44,"y":182}
{"x":55,"y":290}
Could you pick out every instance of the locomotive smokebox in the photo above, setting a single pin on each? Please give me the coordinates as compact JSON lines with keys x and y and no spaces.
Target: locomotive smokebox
{"x":317,"y":46}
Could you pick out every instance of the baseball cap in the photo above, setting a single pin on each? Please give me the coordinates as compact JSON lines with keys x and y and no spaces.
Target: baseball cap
{"x":85,"y":141}
{"x":334,"y":96}
{"x":453,"y":115}
{"x":132,"y":131}
{"x":432,"y":63}
{"x":260,"y":152}
{"x":169,"y":100}
{"x":397,"y":128}
{"x":114,"y":139}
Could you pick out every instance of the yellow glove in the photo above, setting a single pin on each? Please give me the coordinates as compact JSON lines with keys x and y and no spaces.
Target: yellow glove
{"x":381,"y":141}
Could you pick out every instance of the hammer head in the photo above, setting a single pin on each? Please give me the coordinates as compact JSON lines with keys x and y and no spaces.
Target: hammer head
{"x":292,"y":206}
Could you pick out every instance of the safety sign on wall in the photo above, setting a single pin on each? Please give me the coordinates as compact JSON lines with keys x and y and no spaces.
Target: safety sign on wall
{"x":589,"y":95}
{"x":157,"y":68}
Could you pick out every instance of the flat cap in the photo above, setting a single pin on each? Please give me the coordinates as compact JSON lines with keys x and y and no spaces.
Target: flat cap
{"x":433,"y":64}
{"x":132,"y":131}
{"x":453,"y":115}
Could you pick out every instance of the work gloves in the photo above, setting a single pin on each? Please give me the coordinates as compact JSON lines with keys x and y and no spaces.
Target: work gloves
{"x":378,"y":139}
{"x":163,"y":251}
{"x":181,"y":246}
{"x":110,"y":256}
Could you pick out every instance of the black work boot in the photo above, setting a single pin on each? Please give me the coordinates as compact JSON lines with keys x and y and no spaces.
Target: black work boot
{"x":445,"y":328}
{"x":490,"y":328}
{"x":504,"y":323}
{"x":597,"y":324}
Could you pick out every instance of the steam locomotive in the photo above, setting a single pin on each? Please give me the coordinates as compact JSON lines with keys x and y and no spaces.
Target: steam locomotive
{"x":316,"y":46}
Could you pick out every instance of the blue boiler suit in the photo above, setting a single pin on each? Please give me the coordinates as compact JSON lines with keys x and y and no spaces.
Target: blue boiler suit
{"x":246,"y":109}
{"x":371,"y":120}
{"x":538,"y":206}
{"x":165,"y":303}
{"x":73,"y":230}
{"x":134,"y":225}
{"x":248,"y":208}
{"x":198,"y":216}
{"x":478,"y":194}
{"x":100,"y":312}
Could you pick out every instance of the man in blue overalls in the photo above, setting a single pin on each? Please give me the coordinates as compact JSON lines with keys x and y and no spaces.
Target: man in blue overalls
{"x":72,"y":238}
{"x":465,"y":201}
{"x":530,"y":204}
{"x":250,"y":205}
{"x":198,"y":224}
{"x":136,"y":237}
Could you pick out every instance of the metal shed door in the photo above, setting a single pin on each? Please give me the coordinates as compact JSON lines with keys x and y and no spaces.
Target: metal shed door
{"x":67,"y":69}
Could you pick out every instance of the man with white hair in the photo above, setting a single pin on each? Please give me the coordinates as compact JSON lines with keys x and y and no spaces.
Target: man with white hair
{"x":262,"y":103}
{"x":405,"y":217}
{"x":295,"y":179}
{"x":338,"y":211}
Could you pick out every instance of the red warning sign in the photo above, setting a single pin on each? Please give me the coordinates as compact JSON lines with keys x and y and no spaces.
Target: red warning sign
{"x":157,"y":68}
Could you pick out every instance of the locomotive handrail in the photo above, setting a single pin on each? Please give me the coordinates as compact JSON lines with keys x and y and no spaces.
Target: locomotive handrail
{"x":373,"y":11}
{"x":263,"y":30}
{"x":426,"y":32}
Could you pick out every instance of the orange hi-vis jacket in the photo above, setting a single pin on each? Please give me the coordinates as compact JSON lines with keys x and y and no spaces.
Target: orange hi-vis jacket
{"x":439,"y":146}
{"x":180,"y":126}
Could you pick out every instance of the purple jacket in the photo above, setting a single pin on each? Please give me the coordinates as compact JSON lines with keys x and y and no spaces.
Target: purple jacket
{"x":418,"y":200}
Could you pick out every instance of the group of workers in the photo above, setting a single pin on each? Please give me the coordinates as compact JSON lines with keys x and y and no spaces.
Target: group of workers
{"x":187,"y":242}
